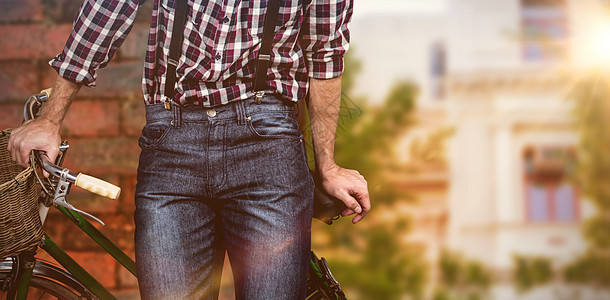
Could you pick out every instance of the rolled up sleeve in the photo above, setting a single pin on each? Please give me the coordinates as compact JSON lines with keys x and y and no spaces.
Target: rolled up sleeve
{"x":98,"y":30}
{"x":325,"y":37}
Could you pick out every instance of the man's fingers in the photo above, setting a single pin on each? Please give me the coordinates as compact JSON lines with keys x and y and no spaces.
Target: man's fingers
{"x":366,"y":203}
{"x":347,"y":212}
{"x":361,"y":195}
{"x":350,"y":202}
{"x":15,"y":146}
{"x":15,"y":156}
{"x":13,"y":153}
{"x":51,"y":153}
{"x":24,"y":154}
{"x":9,"y":145}
{"x":18,"y":151}
{"x":351,"y":188}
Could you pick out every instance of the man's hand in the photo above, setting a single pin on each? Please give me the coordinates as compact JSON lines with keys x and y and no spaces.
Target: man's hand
{"x":42,"y":133}
{"x":351,"y":188}
{"x":37,"y":134}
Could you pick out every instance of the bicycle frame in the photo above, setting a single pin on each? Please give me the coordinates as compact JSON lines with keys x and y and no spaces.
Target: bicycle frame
{"x":24,"y":274}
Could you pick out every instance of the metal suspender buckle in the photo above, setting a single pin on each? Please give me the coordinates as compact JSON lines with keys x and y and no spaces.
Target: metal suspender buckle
{"x":172,"y":62}
{"x":258,"y":97}
{"x":166,"y":102}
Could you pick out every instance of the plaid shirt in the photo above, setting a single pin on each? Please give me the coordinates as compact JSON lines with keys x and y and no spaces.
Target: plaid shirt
{"x":221,"y":42}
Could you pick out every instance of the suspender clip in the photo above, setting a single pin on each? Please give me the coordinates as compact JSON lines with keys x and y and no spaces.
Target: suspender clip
{"x":172,"y":62}
{"x":167,"y":102}
{"x":258,"y":97}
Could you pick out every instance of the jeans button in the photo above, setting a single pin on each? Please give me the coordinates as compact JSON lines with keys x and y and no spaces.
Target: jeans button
{"x":211,"y":112}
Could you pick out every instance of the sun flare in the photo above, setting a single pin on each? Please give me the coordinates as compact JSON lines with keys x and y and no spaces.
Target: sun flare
{"x":598,"y":44}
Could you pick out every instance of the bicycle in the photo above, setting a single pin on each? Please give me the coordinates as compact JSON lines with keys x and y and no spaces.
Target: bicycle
{"x":24,"y":276}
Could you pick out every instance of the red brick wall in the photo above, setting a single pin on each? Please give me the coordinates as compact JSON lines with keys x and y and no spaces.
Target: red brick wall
{"x":102,"y":126}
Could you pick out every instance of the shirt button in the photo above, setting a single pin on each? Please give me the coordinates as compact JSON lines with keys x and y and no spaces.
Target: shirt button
{"x":225,"y":19}
{"x":211,"y":112}
{"x":217,"y":57}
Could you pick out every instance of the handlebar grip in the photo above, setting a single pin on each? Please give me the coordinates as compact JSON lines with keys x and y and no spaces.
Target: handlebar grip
{"x":47,"y":91}
{"x":97,"y":186}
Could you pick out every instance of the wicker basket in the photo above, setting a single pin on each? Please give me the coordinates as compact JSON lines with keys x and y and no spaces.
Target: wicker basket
{"x":20,"y":226}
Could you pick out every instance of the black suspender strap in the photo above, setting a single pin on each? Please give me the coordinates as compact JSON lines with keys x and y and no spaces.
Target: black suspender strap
{"x":263,"y":60}
{"x":175,"y":48}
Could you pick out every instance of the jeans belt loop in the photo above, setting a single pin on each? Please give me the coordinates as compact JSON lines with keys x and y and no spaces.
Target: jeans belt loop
{"x":177,"y":121}
{"x":240,"y":111}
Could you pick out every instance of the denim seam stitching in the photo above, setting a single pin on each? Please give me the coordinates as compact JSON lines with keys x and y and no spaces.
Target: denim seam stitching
{"x":224,"y":160}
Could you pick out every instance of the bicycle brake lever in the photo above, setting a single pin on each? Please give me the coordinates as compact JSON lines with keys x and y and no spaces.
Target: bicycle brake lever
{"x":62,"y":191}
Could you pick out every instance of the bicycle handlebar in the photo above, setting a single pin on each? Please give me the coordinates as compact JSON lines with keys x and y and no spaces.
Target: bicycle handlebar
{"x":87,"y":182}
{"x":84,"y":181}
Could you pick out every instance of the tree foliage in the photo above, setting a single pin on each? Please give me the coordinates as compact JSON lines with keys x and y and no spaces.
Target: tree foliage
{"x":592,"y":119}
{"x":461,"y":278}
{"x":430,"y":151}
{"x":530,"y":272}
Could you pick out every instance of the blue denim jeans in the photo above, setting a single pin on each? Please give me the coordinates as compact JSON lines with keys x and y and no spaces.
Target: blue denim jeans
{"x":231,"y":179}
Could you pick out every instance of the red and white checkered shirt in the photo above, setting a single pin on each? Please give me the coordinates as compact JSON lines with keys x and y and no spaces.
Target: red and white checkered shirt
{"x":222,"y":40}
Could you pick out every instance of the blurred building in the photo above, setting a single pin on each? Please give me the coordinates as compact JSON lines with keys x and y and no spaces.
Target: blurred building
{"x":499,"y":72}
{"x":511,"y":64}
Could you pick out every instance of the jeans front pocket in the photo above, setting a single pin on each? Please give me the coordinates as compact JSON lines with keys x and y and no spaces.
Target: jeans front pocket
{"x":154,"y":132}
{"x":274,"y":125}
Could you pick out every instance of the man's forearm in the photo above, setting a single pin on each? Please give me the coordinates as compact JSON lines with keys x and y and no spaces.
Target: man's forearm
{"x":345,"y":184}
{"x":323,"y":107}
{"x":42,"y":133}
{"x":64,"y":92}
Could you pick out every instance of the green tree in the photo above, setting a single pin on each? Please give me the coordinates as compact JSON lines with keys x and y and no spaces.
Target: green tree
{"x":461,"y":278}
{"x":530,"y":272}
{"x":591,"y":97}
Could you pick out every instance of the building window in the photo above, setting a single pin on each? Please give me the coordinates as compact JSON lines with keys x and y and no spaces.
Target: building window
{"x":544,"y":30}
{"x":550,"y":197}
{"x":438,"y":70}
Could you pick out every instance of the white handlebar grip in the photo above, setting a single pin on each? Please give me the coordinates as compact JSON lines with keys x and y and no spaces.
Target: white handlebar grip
{"x":97,"y":186}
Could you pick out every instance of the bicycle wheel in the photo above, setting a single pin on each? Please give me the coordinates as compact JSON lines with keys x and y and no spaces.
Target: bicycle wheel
{"x":48,"y":282}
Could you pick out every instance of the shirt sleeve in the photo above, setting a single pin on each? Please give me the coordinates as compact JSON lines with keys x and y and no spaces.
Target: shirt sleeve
{"x":98,"y":30}
{"x":325,"y":37}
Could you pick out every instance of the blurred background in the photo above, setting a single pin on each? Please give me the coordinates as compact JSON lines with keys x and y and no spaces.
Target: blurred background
{"x":482,"y":127}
